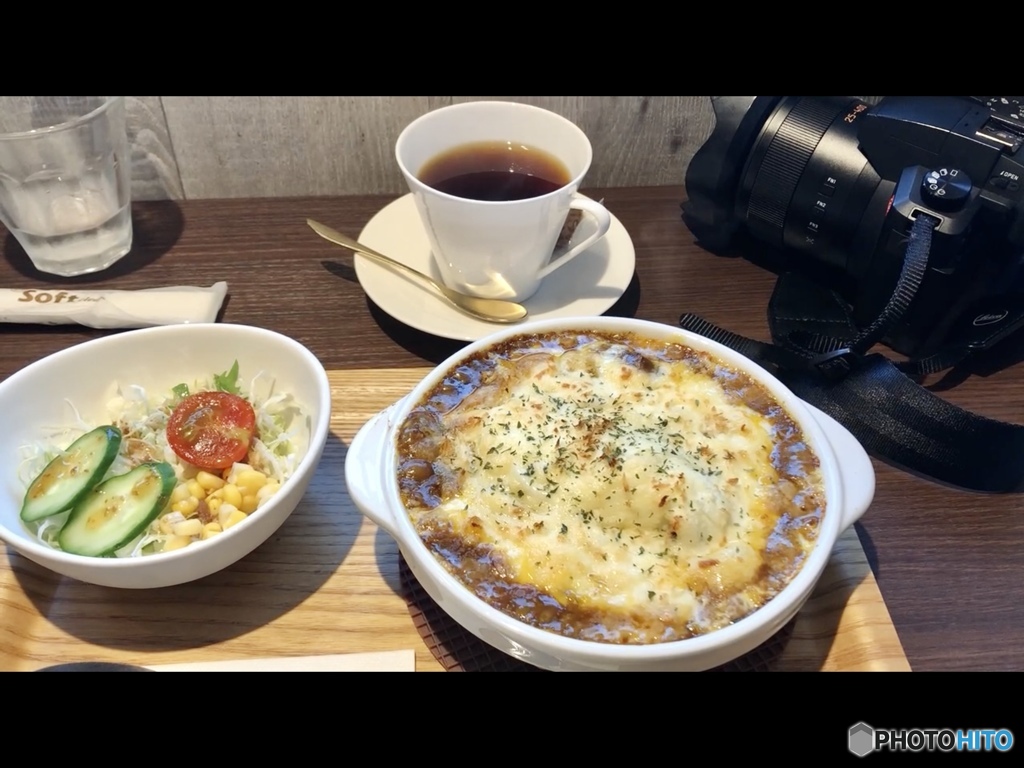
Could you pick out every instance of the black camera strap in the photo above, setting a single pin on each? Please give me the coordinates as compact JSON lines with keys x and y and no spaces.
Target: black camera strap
{"x":820,"y":354}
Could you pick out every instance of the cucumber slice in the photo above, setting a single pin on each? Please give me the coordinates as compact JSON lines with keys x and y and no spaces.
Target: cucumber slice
{"x":72,"y":474}
{"x":117,"y":510}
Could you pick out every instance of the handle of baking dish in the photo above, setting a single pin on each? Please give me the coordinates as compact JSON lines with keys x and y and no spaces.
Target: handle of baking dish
{"x":854,"y":464}
{"x":364,"y":470}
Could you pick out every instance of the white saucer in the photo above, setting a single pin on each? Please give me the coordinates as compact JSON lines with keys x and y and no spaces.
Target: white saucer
{"x":588,"y":285}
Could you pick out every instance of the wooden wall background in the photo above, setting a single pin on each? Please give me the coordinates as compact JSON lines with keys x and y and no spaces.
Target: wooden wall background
{"x":188,"y":147}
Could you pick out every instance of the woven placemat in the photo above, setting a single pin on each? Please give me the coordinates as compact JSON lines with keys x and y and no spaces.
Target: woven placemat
{"x":459,"y":650}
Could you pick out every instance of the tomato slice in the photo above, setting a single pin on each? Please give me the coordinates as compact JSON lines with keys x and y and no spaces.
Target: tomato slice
{"x":211,"y":430}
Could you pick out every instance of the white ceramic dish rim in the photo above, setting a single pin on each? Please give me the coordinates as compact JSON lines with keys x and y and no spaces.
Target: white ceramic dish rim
{"x":849,"y":488}
{"x":40,"y":553}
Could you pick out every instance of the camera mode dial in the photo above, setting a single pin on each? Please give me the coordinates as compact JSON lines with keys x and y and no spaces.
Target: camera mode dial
{"x":946,"y":189}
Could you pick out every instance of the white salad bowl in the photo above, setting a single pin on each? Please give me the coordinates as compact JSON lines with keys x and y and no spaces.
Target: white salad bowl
{"x":849,"y":483}
{"x":78,"y":382}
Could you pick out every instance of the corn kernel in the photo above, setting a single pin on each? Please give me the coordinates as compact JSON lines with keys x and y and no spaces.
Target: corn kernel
{"x":186,"y":507}
{"x":249,"y":503}
{"x":213,"y":503}
{"x":208,"y":481}
{"x":250,"y":481}
{"x":196,"y":490}
{"x":210,"y":530}
{"x":180,"y":493}
{"x":234,"y":518}
{"x":225,"y":511}
{"x":232,"y":495}
{"x":231,"y":475}
{"x":267,"y":491}
{"x":191,"y":527}
{"x":176,"y":542}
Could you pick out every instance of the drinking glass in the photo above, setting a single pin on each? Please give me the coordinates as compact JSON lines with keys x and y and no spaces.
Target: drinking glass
{"x":65,"y":180}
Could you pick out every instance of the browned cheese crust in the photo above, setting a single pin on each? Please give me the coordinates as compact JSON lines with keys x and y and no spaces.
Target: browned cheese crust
{"x":610,"y":487}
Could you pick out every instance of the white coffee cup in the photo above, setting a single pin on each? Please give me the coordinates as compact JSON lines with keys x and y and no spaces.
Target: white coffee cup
{"x":499,"y":248}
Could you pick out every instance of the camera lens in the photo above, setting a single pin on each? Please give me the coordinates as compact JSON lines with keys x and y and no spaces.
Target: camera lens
{"x":829,"y":187}
{"x":806,"y":186}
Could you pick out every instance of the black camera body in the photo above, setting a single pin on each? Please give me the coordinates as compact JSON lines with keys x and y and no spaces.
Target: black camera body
{"x":830,"y":186}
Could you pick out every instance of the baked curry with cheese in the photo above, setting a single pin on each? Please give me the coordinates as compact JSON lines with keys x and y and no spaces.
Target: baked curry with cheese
{"x":610,"y":487}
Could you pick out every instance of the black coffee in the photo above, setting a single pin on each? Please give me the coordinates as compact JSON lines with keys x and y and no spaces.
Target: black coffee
{"x":494,"y":171}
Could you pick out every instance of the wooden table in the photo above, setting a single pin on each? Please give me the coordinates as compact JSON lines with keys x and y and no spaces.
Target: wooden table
{"x":948,"y":562}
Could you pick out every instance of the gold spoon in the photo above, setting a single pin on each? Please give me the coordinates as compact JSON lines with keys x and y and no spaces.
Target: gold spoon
{"x":489,"y":310}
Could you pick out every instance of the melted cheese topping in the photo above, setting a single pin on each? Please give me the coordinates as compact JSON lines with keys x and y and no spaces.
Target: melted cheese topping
{"x":602,"y":492}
